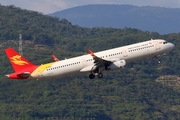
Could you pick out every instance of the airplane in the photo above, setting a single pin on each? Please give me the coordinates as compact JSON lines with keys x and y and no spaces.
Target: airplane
{"x":94,"y":63}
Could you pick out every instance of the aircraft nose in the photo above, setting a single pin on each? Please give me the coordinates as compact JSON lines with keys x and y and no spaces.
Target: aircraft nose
{"x":171,"y":46}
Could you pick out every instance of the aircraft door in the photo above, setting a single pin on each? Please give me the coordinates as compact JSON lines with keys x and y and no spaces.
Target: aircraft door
{"x":84,"y":62}
{"x":124,"y":52}
{"x":157,"y":45}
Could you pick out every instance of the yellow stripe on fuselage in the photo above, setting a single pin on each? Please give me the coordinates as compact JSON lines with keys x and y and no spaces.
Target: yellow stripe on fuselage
{"x":38,"y":71}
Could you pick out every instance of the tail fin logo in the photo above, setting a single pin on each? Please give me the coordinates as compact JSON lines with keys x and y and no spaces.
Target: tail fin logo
{"x":17,"y":60}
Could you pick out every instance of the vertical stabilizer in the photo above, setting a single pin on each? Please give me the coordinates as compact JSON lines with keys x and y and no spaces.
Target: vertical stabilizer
{"x":17,"y":61}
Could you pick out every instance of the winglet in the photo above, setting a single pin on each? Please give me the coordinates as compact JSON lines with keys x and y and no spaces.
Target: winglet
{"x":55,"y":59}
{"x":91,"y":53}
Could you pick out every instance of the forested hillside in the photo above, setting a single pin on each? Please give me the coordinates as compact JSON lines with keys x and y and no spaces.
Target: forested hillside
{"x":141,"y":91}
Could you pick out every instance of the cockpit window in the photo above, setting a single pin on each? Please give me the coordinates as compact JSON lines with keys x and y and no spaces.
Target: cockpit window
{"x":165,"y":42}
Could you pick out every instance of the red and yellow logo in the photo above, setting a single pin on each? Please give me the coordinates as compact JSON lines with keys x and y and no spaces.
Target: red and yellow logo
{"x":17,"y":60}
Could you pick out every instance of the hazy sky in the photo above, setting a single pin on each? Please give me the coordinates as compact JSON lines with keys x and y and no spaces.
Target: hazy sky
{"x":50,"y":6}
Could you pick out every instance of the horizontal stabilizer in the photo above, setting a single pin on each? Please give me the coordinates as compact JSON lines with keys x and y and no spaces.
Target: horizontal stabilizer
{"x":23,"y":75}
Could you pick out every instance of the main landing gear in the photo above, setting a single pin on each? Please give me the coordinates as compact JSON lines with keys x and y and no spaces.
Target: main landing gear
{"x":96,"y":72}
{"x":157,"y":60}
{"x":92,"y":76}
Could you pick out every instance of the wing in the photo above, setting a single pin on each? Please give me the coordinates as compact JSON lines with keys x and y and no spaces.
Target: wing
{"x":99,"y":62}
{"x":97,"y":59}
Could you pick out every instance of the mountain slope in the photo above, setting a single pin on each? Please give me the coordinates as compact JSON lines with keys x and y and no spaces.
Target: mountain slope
{"x":132,"y":93}
{"x":158,"y":19}
{"x":33,"y":25}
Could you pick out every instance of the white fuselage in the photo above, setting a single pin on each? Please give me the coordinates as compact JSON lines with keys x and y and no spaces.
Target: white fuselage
{"x":128,"y":53}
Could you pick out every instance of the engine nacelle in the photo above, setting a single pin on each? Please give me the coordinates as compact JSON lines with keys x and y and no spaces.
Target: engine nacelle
{"x":116,"y":65}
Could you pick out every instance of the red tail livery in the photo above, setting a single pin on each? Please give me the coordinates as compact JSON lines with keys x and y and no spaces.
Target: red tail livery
{"x":22,"y":67}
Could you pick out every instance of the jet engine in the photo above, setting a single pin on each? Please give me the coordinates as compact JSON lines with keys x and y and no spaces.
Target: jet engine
{"x":116,"y":65}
